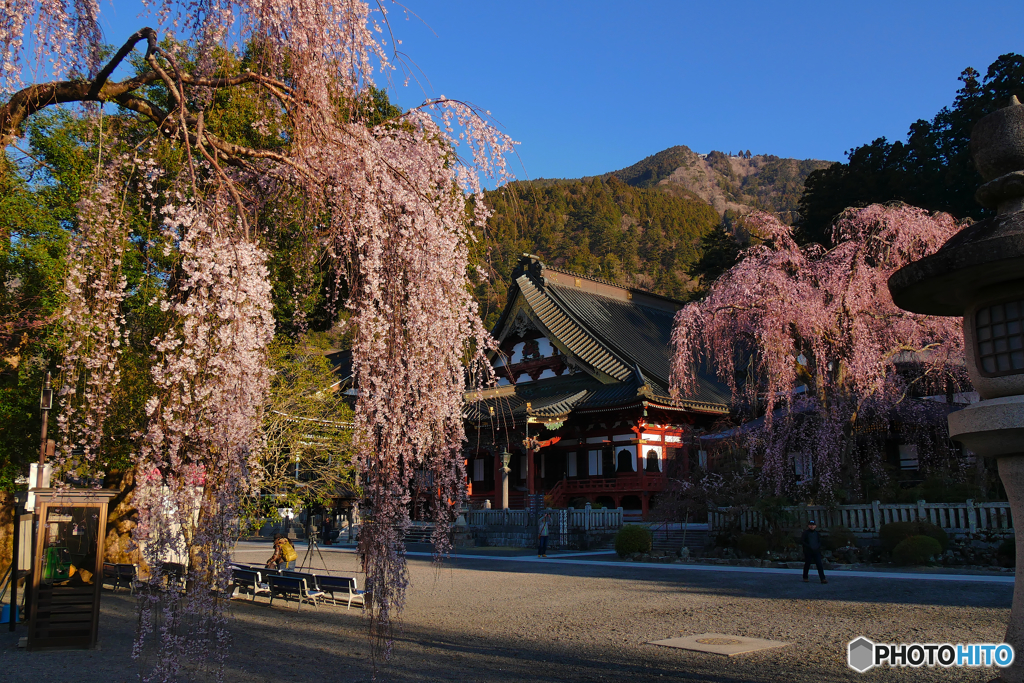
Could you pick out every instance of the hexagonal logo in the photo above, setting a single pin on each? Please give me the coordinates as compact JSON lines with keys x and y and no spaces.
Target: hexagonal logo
{"x":861,"y":654}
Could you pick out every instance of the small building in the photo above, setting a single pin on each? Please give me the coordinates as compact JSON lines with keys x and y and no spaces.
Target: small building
{"x":582,"y":402}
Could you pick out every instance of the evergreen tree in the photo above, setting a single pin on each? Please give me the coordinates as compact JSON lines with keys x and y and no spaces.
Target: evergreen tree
{"x":931,"y":169}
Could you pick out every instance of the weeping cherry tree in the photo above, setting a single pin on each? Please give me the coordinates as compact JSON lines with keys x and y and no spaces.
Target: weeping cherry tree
{"x":811,"y":343}
{"x":387,"y":202}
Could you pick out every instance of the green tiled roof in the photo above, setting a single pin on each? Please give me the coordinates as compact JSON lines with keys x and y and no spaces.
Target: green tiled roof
{"x":619,"y":337}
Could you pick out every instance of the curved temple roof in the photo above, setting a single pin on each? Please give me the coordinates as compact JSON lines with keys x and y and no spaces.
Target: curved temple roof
{"x":619,"y":337}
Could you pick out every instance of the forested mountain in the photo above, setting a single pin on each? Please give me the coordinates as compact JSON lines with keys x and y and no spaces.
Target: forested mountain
{"x":602,"y":227}
{"x":658,"y":225}
{"x":736,"y":183}
{"x":932,"y":169}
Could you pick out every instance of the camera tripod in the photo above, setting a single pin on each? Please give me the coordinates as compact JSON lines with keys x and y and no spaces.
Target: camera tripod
{"x":311,"y":533}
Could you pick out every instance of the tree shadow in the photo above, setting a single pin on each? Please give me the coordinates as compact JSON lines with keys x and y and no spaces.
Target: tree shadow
{"x":787,"y":585}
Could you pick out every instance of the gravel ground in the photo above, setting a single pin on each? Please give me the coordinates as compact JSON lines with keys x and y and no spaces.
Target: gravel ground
{"x":496,"y":620}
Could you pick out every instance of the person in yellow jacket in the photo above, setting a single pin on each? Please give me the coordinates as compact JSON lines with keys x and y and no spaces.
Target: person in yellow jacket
{"x":284,"y":553}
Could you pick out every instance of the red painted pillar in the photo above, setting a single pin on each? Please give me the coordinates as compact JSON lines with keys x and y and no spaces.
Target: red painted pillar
{"x":641,"y":470}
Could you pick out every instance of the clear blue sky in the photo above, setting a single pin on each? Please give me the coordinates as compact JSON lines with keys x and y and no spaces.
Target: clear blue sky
{"x":589,"y":87}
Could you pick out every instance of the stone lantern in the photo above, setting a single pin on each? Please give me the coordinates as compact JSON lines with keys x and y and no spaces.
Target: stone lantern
{"x":979,"y":275}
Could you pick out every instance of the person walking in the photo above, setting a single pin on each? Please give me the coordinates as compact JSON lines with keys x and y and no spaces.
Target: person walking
{"x":542,"y":535}
{"x":811,"y":542}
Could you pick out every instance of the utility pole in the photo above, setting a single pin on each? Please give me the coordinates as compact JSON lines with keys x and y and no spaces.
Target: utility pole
{"x":45,"y":404}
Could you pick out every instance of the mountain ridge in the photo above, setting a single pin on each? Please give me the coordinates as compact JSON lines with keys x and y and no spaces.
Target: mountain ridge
{"x":729,"y":183}
{"x":651,"y":225}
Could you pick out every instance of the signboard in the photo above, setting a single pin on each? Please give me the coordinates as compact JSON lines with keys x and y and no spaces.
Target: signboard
{"x":68,"y":569}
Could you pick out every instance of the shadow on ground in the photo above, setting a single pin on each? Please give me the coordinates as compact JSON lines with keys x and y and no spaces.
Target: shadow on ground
{"x":490,"y":621}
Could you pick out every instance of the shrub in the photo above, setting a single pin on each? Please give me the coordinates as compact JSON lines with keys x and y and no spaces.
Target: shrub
{"x":752,"y":544}
{"x":787,"y":543}
{"x":1008,"y":550}
{"x":839,"y":537}
{"x":633,"y":538}
{"x":916,"y":550}
{"x":579,"y":503}
{"x":895,"y":532}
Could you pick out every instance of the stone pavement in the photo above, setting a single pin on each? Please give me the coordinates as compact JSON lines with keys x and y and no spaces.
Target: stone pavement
{"x":574,"y":618}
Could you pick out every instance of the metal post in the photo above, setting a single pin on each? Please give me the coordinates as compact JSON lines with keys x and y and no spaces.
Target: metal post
{"x":14,"y":566}
{"x":45,"y":403}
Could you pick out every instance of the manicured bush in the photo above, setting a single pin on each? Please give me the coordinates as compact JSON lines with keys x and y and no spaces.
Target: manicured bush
{"x":916,"y":550}
{"x":894,"y":533}
{"x":839,"y":537}
{"x":633,"y":538}
{"x":1008,"y":550}
{"x":752,"y":544}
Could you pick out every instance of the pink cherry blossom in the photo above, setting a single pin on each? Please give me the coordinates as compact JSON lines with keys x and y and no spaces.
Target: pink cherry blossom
{"x":811,"y":340}
{"x":389,"y":205}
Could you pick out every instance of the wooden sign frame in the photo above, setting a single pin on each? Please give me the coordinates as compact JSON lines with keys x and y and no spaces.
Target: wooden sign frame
{"x":66,"y":616}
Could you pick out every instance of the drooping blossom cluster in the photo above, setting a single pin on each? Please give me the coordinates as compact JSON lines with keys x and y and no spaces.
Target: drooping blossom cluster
{"x":199,"y":449}
{"x":405,"y":246}
{"x":812,"y":341}
{"x":389,"y":203}
{"x":65,"y":37}
{"x":94,"y":323}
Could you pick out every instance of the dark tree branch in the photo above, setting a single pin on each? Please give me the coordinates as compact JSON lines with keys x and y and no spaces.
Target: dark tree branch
{"x":29,"y":100}
{"x":101,"y":78}
{"x":176,"y":123}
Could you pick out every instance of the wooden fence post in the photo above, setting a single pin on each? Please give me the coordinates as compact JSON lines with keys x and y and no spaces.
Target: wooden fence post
{"x":921,"y":516}
{"x":972,"y":516}
{"x":876,"y":514}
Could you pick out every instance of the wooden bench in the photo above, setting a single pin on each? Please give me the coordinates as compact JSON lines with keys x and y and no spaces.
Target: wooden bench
{"x":120,"y":575}
{"x":346,"y":585}
{"x":248,"y":580}
{"x":286,"y":585}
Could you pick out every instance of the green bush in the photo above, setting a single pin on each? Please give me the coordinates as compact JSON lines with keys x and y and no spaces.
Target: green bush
{"x":839,"y":537}
{"x":1008,"y":549}
{"x":633,"y":538}
{"x":916,"y":550}
{"x":894,"y":533}
{"x":752,"y":544}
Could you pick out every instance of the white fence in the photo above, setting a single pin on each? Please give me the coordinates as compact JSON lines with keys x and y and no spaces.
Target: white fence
{"x":582,"y":518}
{"x":957,"y":518}
{"x":498,"y":517}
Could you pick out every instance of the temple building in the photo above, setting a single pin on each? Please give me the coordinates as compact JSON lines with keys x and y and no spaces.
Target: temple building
{"x":582,"y":407}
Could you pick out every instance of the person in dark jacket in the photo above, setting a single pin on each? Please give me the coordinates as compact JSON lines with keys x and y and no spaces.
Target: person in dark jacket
{"x":811,"y":541}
